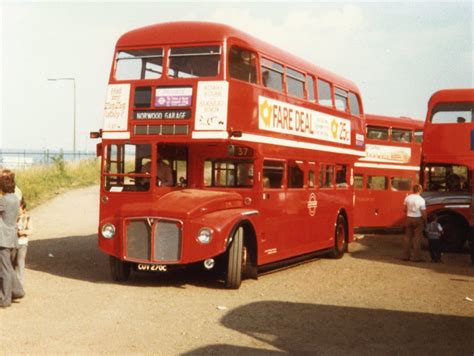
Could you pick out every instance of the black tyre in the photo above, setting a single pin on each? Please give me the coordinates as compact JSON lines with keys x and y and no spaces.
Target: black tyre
{"x":233,"y":277}
{"x":119,"y":270}
{"x":340,"y":238}
{"x":455,"y":232}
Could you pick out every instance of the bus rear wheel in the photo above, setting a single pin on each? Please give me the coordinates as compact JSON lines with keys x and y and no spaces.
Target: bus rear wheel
{"x":340,"y":238}
{"x":235,"y":260}
{"x":455,"y":231}
{"x":119,"y":270}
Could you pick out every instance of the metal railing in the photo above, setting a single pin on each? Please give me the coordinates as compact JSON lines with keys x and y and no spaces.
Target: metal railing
{"x":21,"y":159}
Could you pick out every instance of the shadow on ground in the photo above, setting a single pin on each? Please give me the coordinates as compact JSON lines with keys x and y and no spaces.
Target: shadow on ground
{"x":79,"y":257}
{"x":294,"y":328}
{"x":388,"y":249}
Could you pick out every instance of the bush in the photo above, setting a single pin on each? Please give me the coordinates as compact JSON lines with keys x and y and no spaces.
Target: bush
{"x":41,"y":183}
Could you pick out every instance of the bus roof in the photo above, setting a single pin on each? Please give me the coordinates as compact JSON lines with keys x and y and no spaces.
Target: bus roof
{"x":399,"y":122}
{"x":187,"y":32}
{"x":451,"y":95}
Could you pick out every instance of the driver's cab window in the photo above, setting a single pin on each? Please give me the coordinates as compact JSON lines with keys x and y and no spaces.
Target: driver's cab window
{"x":124,"y":167}
{"x":171,"y":166}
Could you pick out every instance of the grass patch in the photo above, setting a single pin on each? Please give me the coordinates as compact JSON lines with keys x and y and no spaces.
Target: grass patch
{"x":42,"y":183}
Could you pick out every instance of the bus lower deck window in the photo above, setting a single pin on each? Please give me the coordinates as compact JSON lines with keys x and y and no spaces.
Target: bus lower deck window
{"x":273,"y":174}
{"x":219,"y":173}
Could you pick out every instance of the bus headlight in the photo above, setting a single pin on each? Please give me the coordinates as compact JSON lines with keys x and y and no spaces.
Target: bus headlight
{"x":205,"y":235}
{"x":108,"y":231}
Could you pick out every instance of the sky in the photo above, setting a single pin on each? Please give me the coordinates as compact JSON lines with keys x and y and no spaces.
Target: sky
{"x":398,"y":54}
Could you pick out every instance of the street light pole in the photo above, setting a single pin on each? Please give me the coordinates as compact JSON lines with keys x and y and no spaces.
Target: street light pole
{"x":74,"y":117}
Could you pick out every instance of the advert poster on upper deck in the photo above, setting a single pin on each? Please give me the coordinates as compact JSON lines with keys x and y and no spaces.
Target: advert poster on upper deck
{"x":116,"y":107}
{"x":281,"y":117}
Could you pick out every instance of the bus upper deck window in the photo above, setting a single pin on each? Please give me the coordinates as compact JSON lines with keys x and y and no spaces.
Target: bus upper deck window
{"x":340,"y":97}
{"x":295,"y":82}
{"x":310,"y":88}
{"x":139,"y":64}
{"x":324,"y":93}
{"x":242,"y":64}
{"x":192,"y":62}
{"x":354,"y":104}
{"x":272,"y":75}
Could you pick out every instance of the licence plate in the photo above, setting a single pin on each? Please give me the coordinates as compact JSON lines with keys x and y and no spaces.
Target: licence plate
{"x":152,"y":268}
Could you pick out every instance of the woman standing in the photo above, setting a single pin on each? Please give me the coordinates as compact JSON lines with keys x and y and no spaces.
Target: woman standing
{"x":10,"y":286}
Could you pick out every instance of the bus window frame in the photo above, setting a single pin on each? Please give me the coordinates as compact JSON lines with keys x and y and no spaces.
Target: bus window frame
{"x":312,"y":167}
{"x":322,"y":170}
{"x":256,"y":60}
{"x":294,"y":78}
{"x":213,"y":161}
{"x":311,"y":77}
{"x":331,"y":93}
{"x":343,"y":95}
{"x":263,"y":65}
{"x":384,"y":128}
{"x":362,"y":187}
{"x":357,"y":102}
{"x":143,"y":69}
{"x":283,"y":178}
{"x":301,"y":165}
{"x":409,"y":131}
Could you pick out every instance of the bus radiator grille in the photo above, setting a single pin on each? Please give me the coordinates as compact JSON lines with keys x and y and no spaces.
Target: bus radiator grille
{"x":137,"y":242}
{"x":153,"y":240}
{"x":167,"y":238}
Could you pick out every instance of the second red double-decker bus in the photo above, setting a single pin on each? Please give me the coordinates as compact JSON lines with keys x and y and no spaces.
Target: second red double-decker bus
{"x":448,"y":163}
{"x":384,"y":177}
{"x":220,"y":149}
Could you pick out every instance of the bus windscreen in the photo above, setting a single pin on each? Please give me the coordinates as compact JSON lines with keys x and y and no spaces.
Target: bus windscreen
{"x":452,"y":113}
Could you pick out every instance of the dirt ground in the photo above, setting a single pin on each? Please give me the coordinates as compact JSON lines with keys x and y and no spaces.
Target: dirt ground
{"x":370,"y":302}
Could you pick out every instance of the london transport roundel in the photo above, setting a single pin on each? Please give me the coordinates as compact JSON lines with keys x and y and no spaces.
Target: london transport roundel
{"x":312,"y":204}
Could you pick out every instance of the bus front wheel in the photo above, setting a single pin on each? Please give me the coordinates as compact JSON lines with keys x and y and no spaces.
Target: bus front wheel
{"x":235,"y":260}
{"x":340,"y":238}
{"x":120,"y":270}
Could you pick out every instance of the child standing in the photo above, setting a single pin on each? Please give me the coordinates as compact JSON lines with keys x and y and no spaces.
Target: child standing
{"x":434,"y":231}
{"x":24,"y":231}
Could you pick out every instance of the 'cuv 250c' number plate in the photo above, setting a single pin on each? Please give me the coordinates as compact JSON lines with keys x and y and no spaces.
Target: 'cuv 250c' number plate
{"x":152,"y":268}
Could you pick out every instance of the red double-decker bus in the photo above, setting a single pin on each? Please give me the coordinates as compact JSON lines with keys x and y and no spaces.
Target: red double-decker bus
{"x":384,"y":177}
{"x":222,"y":150}
{"x":448,"y":163}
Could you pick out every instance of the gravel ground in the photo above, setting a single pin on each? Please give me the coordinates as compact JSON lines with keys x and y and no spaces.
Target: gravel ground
{"x":369,"y":303}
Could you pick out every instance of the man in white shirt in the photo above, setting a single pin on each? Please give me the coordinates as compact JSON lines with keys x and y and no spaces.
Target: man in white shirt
{"x":415,"y":208}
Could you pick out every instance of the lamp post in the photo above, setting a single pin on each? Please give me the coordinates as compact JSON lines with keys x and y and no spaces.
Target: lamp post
{"x":74,"y":118}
